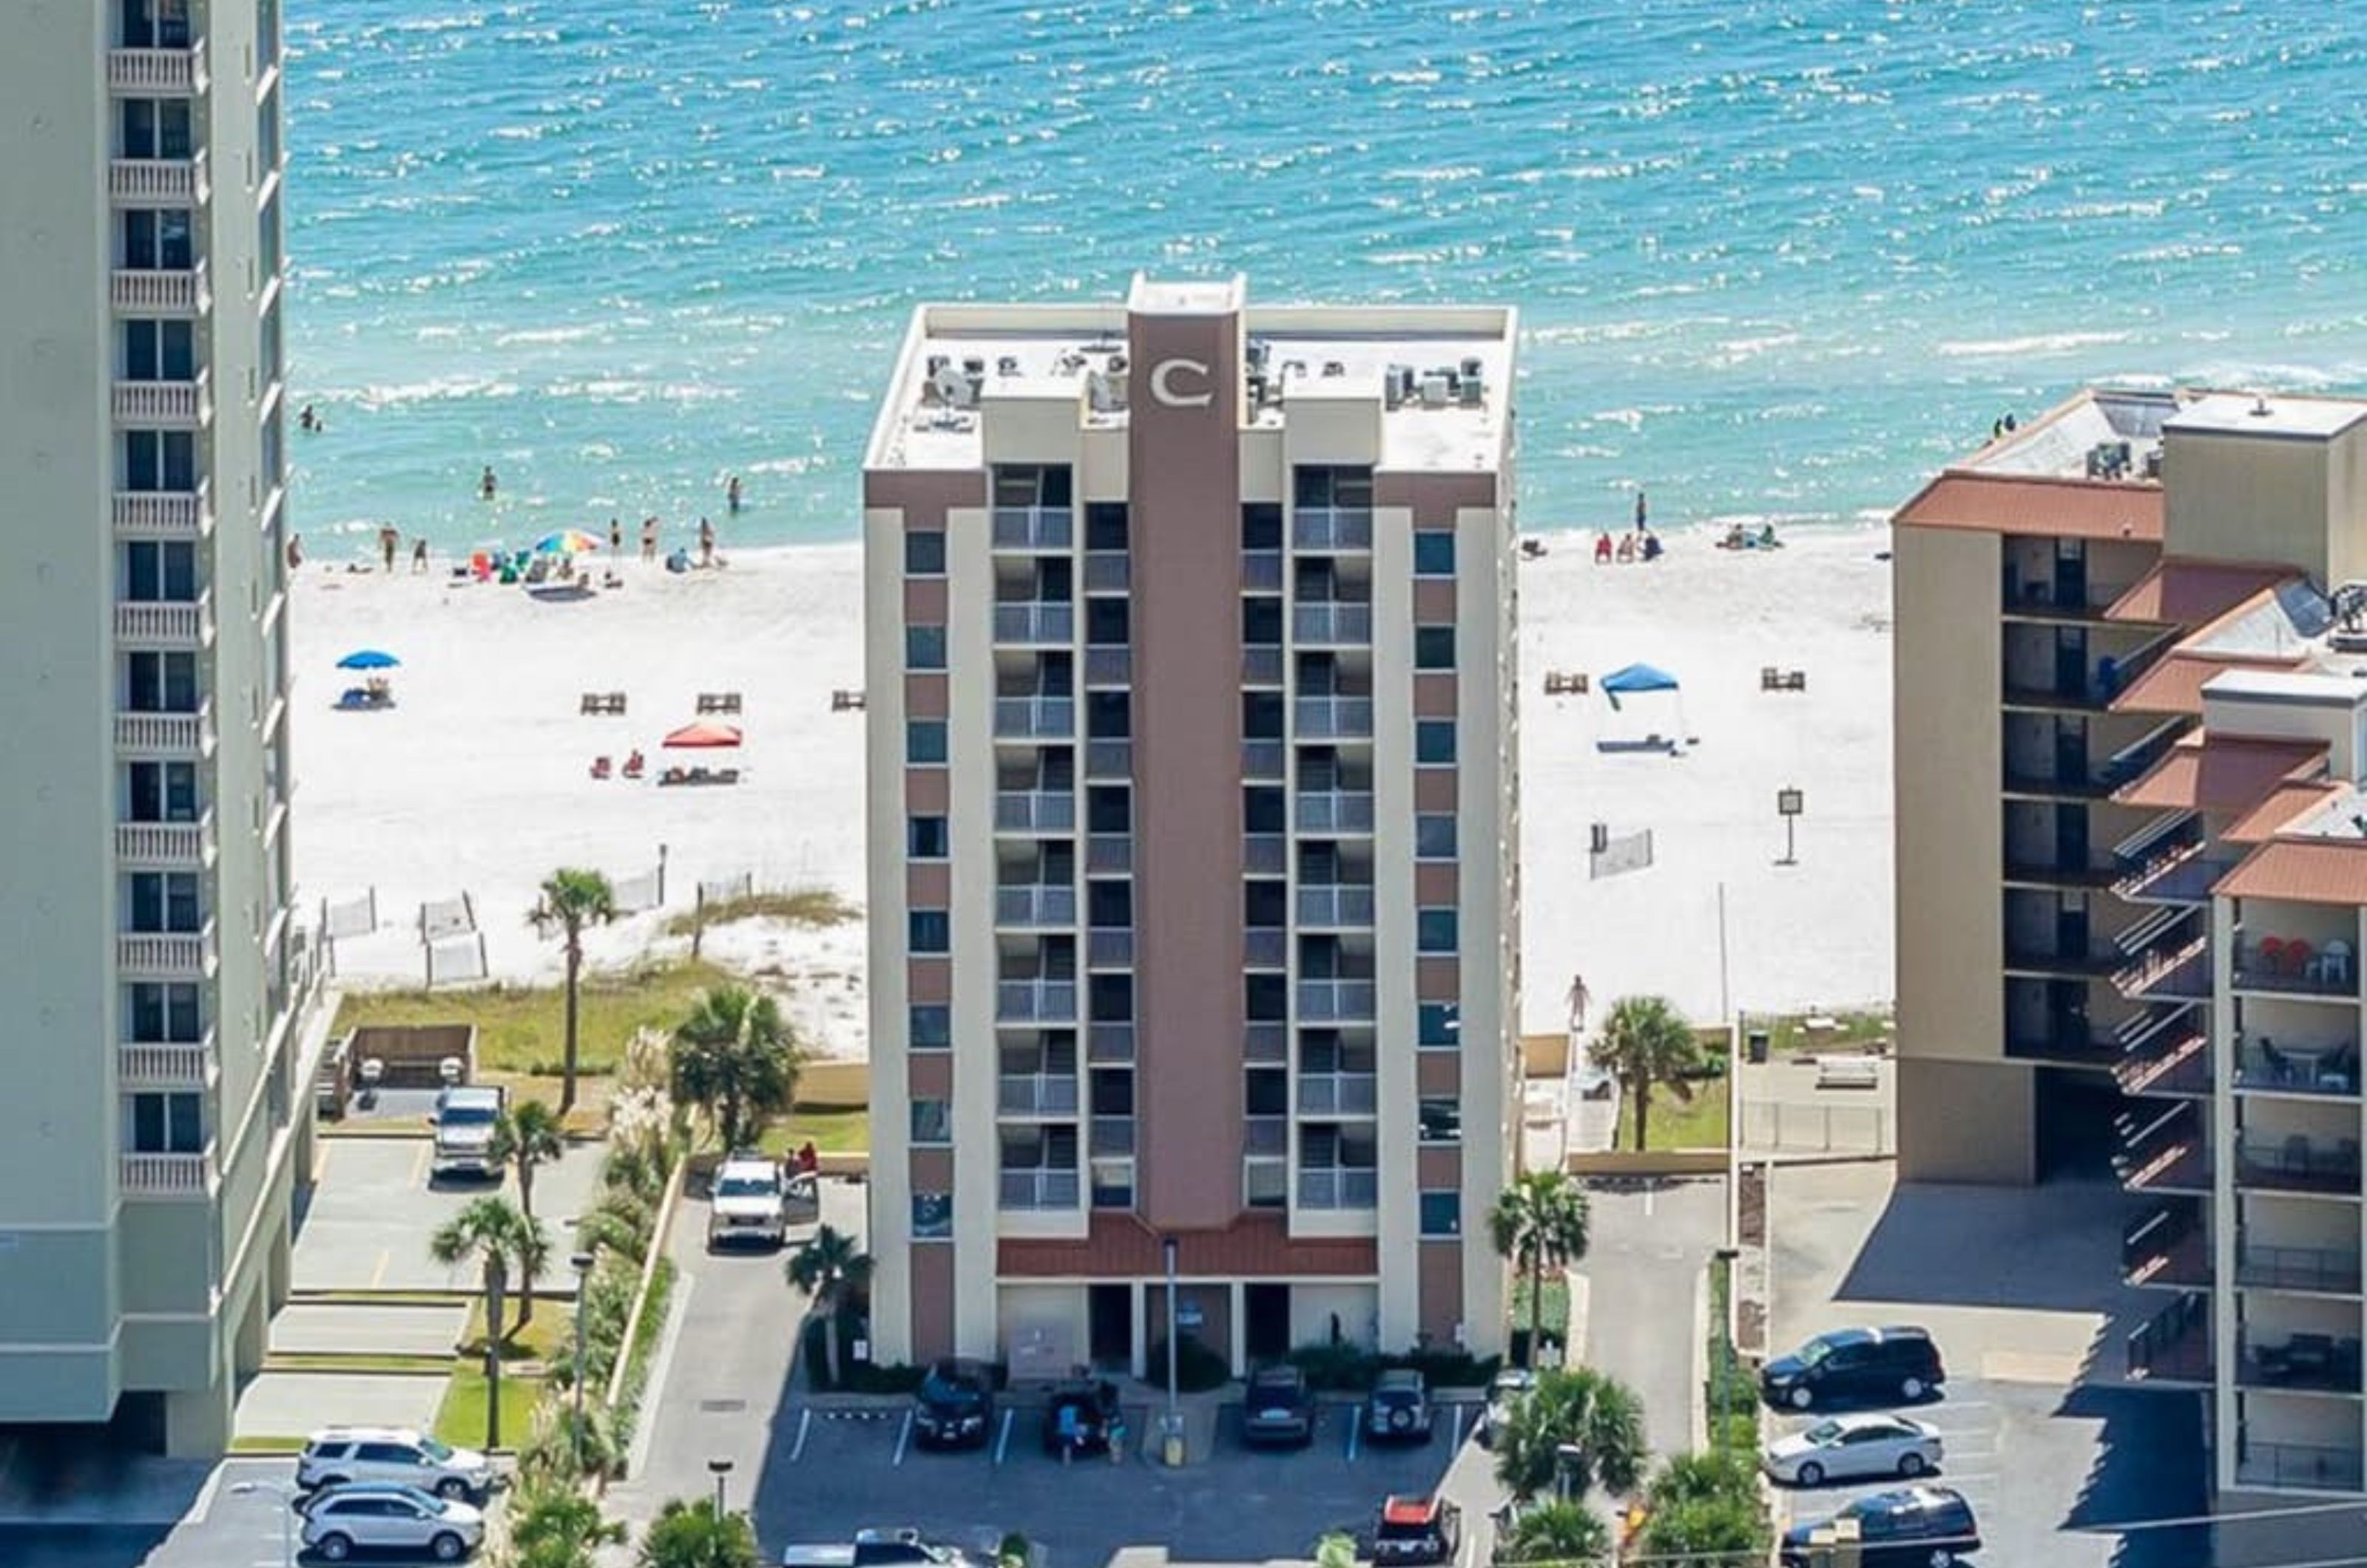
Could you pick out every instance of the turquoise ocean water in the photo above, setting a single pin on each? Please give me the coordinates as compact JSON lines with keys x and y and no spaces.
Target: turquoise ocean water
{"x":1775,"y":257}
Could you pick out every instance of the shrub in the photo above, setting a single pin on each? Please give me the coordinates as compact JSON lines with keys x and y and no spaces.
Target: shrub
{"x":1341,"y":1368}
{"x":1197,"y":1368}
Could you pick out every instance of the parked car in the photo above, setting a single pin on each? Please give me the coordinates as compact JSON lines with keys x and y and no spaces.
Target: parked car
{"x":392,"y":1455}
{"x":881,"y":1549}
{"x":1278,"y":1408}
{"x":1081,"y":1415}
{"x":465,"y":1115}
{"x":748,"y":1203}
{"x":1399,"y":1406}
{"x":1417,"y":1530}
{"x":1511,"y":1385}
{"x":1853,"y":1448}
{"x":1862,"y":1365}
{"x":345,"y":1520}
{"x":1927,"y":1526}
{"x":954,"y":1408}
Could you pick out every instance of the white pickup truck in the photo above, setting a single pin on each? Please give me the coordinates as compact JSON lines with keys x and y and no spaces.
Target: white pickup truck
{"x":465,"y":1115}
{"x":882,"y":1548}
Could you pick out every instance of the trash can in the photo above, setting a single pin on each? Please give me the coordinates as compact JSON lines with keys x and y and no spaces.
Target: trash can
{"x":1754,"y":1047}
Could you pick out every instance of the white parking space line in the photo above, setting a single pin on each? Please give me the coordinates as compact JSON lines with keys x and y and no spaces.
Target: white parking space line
{"x":903,"y":1436}
{"x":1002,"y":1441}
{"x":1356,"y":1432}
{"x":805,"y":1424}
{"x":1458,"y":1424}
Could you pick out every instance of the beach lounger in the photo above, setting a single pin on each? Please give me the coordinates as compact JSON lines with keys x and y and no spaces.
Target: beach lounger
{"x":600,"y":766}
{"x":1564,"y":682}
{"x":718,"y":701}
{"x":635,"y":766}
{"x":674,"y":776}
{"x":844,"y":701}
{"x":1848,"y":1072}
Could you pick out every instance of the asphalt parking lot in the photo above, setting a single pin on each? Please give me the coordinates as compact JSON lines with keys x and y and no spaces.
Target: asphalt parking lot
{"x":366,"y":1223}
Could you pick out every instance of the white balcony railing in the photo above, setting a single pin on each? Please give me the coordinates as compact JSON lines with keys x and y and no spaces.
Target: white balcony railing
{"x":158,"y":71}
{"x":173,"y":403}
{"x":1332,"y":624}
{"x":150,"y":292}
{"x":1048,"y":1001}
{"x":1037,"y":1094}
{"x":1338,"y":904}
{"x":176,"y":733}
{"x":1334,"y":718}
{"x":164,"y":515}
{"x":173,"y":955}
{"x":189,"y":624}
{"x":167,"y":1175}
{"x":1036,"y":811}
{"x":1335,"y":811}
{"x":1336,"y":1001}
{"x":1338,"y":1188}
{"x":1034,"y":622}
{"x":161,"y":182}
{"x":167,"y":843}
{"x":1337,"y":1094}
{"x":164,"y":1066}
{"x":1039,"y":1190}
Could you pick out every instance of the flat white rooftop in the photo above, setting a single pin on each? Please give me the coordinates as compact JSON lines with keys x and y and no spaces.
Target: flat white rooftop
{"x":2246,"y":413}
{"x":2066,"y":442}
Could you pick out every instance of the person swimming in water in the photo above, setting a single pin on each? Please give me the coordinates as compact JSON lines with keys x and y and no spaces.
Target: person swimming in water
{"x":487,"y":485}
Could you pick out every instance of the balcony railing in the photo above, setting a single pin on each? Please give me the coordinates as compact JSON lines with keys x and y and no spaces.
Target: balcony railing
{"x":1037,"y":1094}
{"x":2183,"y":874}
{"x":1034,"y":622}
{"x":1338,"y":1188}
{"x":2329,"y":1271}
{"x":1334,"y":718}
{"x":1331,"y":528}
{"x":1036,"y":1189}
{"x":1109,"y":852}
{"x":2324,"y":1363}
{"x":167,"y":403}
{"x":1110,"y":1137}
{"x":1019,"y":718}
{"x":1035,"y":904}
{"x":2175,"y":1064}
{"x":2172,"y":970}
{"x":1332,"y":624}
{"x":1108,"y":666}
{"x":167,"y":843}
{"x":1335,"y":811}
{"x":1109,"y":948}
{"x":175,"y":733}
{"x":2168,"y":1153}
{"x":1108,"y":760}
{"x":1033,"y":527}
{"x":173,"y":954}
{"x":149,"y":292}
{"x":156,"y":71}
{"x":1264,"y":855}
{"x":2271,"y":964}
{"x":1345,"y":905}
{"x":164,"y":515}
{"x":2048,"y":958}
{"x":1338,"y":1094}
{"x":2297,"y":1165}
{"x":2270,"y":1067}
{"x":160,"y":182}
{"x":1048,"y":1001}
{"x":2175,"y":1344}
{"x":2297,"y":1467}
{"x":1265,"y":1135}
{"x":1036,"y":811}
{"x":2166,"y":1246}
{"x":164,"y":1065}
{"x":167,"y":1175}
{"x":1336,"y":1001}
{"x":1106,"y":571}
{"x":186,"y":624}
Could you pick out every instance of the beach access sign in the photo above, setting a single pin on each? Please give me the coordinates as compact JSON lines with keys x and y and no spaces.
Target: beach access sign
{"x":1168,"y":378}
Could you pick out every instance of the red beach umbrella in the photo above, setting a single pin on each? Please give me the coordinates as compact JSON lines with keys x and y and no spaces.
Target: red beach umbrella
{"x":706,"y":733}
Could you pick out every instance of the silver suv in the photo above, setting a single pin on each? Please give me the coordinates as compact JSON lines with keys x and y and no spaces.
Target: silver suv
{"x":392,"y":1455}
{"x":347,"y":1520}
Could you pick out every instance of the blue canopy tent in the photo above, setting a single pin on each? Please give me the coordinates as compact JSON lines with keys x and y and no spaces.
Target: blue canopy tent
{"x":1643,"y":680}
{"x":1637,"y":678}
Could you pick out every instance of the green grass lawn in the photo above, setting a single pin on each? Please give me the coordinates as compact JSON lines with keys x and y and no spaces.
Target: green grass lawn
{"x":816,"y":909}
{"x":460,"y":1420}
{"x":550,"y":1335}
{"x":1697,"y":1124}
{"x":522,"y":1029}
{"x":833,"y":1131}
{"x":1857,"y":1030}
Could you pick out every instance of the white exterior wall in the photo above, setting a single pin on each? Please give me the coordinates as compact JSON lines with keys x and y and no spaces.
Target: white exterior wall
{"x":1394,"y":902}
{"x":889,"y":1186}
{"x":1488,"y":839}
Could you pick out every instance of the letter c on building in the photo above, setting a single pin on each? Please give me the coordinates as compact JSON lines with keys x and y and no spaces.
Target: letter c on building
{"x":1162,"y":386}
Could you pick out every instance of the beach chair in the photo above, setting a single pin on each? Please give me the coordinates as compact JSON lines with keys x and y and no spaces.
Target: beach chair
{"x":2298,"y":960}
{"x":673,"y":776}
{"x":635,"y":765}
{"x":844,"y":701}
{"x":591,"y":703}
{"x":600,"y":767}
{"x":2271,"y":956}
{"x":1769,"y":678}
{"x":1795,"y":680}
{"x":727,"y":776}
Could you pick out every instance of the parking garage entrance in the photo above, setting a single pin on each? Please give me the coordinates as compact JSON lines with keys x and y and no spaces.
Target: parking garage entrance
{"x":1110,"y":1329}
{"x":1265,"y":1310}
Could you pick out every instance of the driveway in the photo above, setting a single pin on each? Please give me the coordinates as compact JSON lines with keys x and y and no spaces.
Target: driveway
{"x":1646,"y":1269}
{"x":367,"y":1224}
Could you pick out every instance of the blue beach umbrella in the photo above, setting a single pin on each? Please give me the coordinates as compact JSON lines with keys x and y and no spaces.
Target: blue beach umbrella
{"x":367,"y":658}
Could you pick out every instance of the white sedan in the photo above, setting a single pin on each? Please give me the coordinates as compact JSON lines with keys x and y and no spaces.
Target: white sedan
{"x":1853,"y":1448}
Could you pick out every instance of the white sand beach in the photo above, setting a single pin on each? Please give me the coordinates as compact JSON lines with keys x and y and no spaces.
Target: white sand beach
{"x":479,"y":781}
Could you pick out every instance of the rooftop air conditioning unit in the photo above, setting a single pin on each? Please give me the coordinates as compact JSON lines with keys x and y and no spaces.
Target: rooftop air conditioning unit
{"x":1332,"y":368}
{"x":1435,"y":391}
{"x":1008,"y":365}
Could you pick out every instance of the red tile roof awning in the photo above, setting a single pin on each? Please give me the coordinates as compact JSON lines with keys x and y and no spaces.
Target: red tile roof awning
{"x":2073,"y":509}
{"x":2174,"y":684}
{"x":2184,"y":592}
{"x":2285,"y":805}
{"x":2219,"y":774}
{"x":2313,"y":870}
{"x":1120,"y":1247}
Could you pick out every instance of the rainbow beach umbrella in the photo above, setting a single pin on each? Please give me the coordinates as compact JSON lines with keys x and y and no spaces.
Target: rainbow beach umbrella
{"x":567,"y":542}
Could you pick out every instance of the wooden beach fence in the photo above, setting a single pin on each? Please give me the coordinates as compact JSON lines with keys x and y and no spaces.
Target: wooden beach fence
{"x":441,"y":918}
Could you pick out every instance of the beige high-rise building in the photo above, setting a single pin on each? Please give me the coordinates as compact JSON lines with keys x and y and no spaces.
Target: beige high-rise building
{"x":154,"y":981}
{"x":1193,"y":873}
{"x":2131,"y":735}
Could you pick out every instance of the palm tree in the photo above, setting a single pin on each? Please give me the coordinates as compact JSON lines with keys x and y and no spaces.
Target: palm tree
{"x":1647,"y":1042}
{"x":494,"y":1234}
{"x":830,"y":1268}
{"x":573,"y":899}
{"x":1583,"y":1411}
{"x":1539,"y":1221}
{"x":693,"y":1535}
{"x":734,"y":1058}
{"x":1557,"y":1532}
{"x":558,"y":1527}
{"x":524,"y":1135}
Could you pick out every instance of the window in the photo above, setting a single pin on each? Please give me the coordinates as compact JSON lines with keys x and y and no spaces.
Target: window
{"x":1441,"y":1214}
{"x":1109,"y":622}
{"x":929,"y":1026}
{"x":161,"y":1014}
{"x":932,"y":1122}
{"x":1265,"y":1091}
{"x":158,"y":241}
{"x":158,"y":351}
{"x":1439,"y":1026}
{"x":165,"y":1124}
{"x":924,"y":741}
{"x":929,"y":931}
{"x":1442,"y":1118}
{"x":933,"y":1216}
{"x":1434,"y":648}
{"x":1434,"y":553}
{"x":1105,"y":524}
{"x":924,"y":647}
{"x":1434,"y":835}
{"x":161,"y":901}
{"x":160,"y":460}
{"x":925,"y":552}
{"x":160,"y":792}
{"x":1108,"y":716}
{"x":1433,"y":742}
{"x":926,"y":838}
{"x":159,"y":572}
{"x":1109,"y":809}
{"x":1436,"y":931}
{"x":1262,"y":525}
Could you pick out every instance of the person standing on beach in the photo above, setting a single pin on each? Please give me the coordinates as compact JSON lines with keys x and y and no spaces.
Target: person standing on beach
{"x":1640,"y":523}
{"x":649,"y":539}
{"x":732,"y":495}
{"x":419,"y":555}
{"x":705,"y":542}
{"x":387,"y":541}
{"x":1578,"y":997}
{"x":487,"y":485}
{"x":616,"y":538}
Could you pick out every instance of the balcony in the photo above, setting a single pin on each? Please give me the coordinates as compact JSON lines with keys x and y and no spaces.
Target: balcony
{"x":2176,"y":1063}
{"x":1036,"y":811}
{"x":177,"y":845}
{"x":1023,"y":718}
{"x":2166,"y":1246}
{"x":1109,"y":949}
{"x":2266,"y":1067}
{"x":170,"y":734}
{"x":1108,"y":666}
{"x":157,"y":71}
{"x":1338,"y":1094}
{"x":1331,"y":528}
{"x":1107,"y":571}
{"x":1335,"y":811}
{"x":2316,"y":1363}
{"x":2046,"y":599}
{"x":1336,"y":1001}
{"x":2168,"y":1153}
{"x":1109,"y":1042}
{"x":1110,"y":1137}
{"x":1035,"y":1001}
{"x":170,"y":405}
{"x":1035,"y":1094}
{"x":2297,"y":1165}
{"x":2172,"y":971}
{"x":167,"y":1175}
{"x":1262,"y":571}
{"x":2098,"y":960}
{"x":1340,"y":1187}
{"x":140,"y":1065}
{"x":155,"y":182}
{"x":144,"y":292}
{"x":2175,"y":1346}
{"x":1262,"y":761}
{"x":2065,"y":1047}
{"x":1035,"y":904}
{"x":1331,"y":624}
{"x":154,"y":624}
{"x":2295,"y":969}
{"x":1033,"y":527}
{"x":2043,"y":869}
{"x":1336,"y":906}
{"x":2297,"y":1467}
{"x":1036,"y":1187}
{"x":1264,"y":855}
{"x":2182,"y":875}
{"x":164,"y":515}
{"x":1109,"y":852}
{"x":167,"y":955}
{"x":1034,"y":622}
{"x":2318,"y":1271}
{"x":1334,"y":718}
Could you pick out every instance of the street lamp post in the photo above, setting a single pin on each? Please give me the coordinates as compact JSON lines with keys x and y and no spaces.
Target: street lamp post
{"x":719,"y":1468}
{"x":287,"y":1496}
{"x":1174,"y":1415}
{"x":581,"y":1263}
